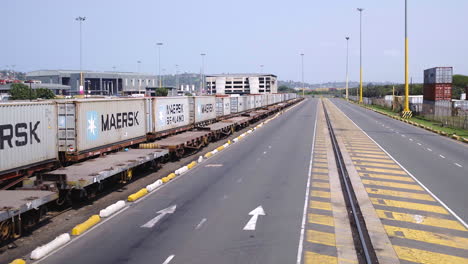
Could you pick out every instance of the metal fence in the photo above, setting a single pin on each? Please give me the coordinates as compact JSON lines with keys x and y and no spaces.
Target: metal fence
{"x":449,"y":113}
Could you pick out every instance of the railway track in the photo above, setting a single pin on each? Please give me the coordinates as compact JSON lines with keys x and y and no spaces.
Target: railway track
{"x":362,"y":242}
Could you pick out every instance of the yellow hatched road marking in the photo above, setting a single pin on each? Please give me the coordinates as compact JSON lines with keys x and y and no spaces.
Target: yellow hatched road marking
{"x":366,"y":151}
{"x":319,"y":170}
{"x":428,"y":237}
{"x":320,"y":176}
{"x":393,"y":184}
{"x":357,"y":155}
{"x":315,"y":258}
{"x":320,"y":194}
{"x":427,"y":257}
{"x":321,"y":219}
{"x":417,"y":196}
{"x":319,"y":237}
{"x":320,"y":205}
{"x":385,"y":165}
{"x":388,"y":177}
{"x":385,"y":161}
{"x":321,"y":185}
{"x":408,"y":205}
{"x":422,"y":220}
{"x":399,"y":172}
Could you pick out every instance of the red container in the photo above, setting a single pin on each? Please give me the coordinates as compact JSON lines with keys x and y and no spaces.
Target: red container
{"x":437,"y":91}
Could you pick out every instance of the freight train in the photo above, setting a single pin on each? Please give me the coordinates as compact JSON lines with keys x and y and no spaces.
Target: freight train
{"x":74,"y":146}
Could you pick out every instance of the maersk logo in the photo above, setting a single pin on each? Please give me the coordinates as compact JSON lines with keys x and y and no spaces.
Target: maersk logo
{"x":92,"y":131}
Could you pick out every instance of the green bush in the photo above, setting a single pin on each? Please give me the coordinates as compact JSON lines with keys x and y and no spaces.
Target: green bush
{"x":19,"y":91}
{"x":45,"y":93}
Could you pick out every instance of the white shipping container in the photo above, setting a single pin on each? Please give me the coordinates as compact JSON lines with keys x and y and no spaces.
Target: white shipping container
{"x":28,"y":134}
{"x":100,"y":123}
{"x":223,"y":106}
{"x":238,"y":104}
{"x":270,"y":99}
{"x":438,"y":75}
{"x":171,"y":113}
{"x":250,"y":102}
{"x":204,"y":108}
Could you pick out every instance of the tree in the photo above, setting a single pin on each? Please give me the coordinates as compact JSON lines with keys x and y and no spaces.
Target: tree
{"x":19,"y":91}
{"x":45,"y":93}
{"x":285,"y":89}
{"x":161,"y":92}
{"x":460,"y":82}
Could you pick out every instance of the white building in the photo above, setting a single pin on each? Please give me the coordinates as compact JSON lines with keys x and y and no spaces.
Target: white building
{"x":241,"y":83}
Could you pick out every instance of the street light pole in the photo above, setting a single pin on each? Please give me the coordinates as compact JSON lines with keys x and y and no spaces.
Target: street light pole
{"x":159,"y":44}
{"x":177,"y":76}
{"x":347,"y":62}
{"x":202,"y":73}
{"x":81,"y":19}
{"x":406,"y":111}
{"x":360,"y":54}
{"x":302,"y":69}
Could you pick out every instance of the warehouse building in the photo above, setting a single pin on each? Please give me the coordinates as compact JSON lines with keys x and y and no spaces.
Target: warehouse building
{"x":100,"y":83}
{"x":241,"y":83}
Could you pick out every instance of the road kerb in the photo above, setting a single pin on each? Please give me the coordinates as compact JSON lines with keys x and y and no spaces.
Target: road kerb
{"x":139,"y":194}
{"x":81,"y":228}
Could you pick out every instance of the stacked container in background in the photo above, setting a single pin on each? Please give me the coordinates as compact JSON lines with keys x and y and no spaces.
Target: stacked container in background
{"x":438,"y":84}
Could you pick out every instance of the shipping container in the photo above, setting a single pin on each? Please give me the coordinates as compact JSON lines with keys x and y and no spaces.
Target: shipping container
{"x":250,"y":102}
{"x":86,"y":125}
{"x":204,"y":108}
{"x":171,"y":113}
{"x":442,"y":75}
{"x":28,"y":134}
{"x":435,"y":92}
{"x":238,"y":104}
{"x":223,"y":106}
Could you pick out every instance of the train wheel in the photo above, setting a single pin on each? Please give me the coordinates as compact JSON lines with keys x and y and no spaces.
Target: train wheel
{"x":6,"y":229}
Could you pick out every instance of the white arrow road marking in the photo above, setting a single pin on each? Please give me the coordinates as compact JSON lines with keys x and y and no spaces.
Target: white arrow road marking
{"x":161,"y":214}
{"x":253,"y":220}
{"x":168,"y":259}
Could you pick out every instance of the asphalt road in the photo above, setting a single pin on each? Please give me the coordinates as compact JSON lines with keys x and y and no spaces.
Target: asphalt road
{"x":268,"y":168}
{"x":440,"y":163}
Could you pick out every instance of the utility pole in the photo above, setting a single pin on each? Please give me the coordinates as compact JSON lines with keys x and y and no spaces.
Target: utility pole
{"x":138,"y":66}
{"x":202,"y":73}
{"x":177,"y":77}
{"x":159,"y":44}
{"x":81,"y":19}
{"x":347,"y":62}
{"x":360,"y":54}
{"x":302,"y":66}
{"x":406,"y":111}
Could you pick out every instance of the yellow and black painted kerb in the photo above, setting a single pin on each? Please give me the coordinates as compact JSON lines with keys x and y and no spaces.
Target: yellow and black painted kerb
{"x":406,"y":114}
{"x":420,"y":229}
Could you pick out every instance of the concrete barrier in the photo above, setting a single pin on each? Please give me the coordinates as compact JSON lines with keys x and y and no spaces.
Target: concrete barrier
{"x":171,"y":176}
{"x":220,"y":148}
{"x":191,"y":164}
{"x":226,"y":145}
{"x":154,"y":185}
{"x":214,"y":151}
{"x":200,"y":159}
{"x":43,"y":250}
{"x":209,"y":154}
{"x":235,"y":140}
{"x":111,"y":209}
{"x":81,"y":228}
{"x":137,"y":195}
{"x":164,"y":179}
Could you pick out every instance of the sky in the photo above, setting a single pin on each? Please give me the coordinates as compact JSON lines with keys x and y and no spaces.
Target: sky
{"x":237,"y":36}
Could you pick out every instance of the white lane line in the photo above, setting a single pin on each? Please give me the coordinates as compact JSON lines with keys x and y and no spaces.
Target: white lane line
{"x":458,"y":165}
{"x":264,"y":152}
{"x":269,"y":147}
{"x":409,"y":173}
{"x":306,"y":202}
{"x":200,"y":224}
{"x":411,"y":139}
{"x":428,"y":149}
{"x":403,"y":135}
{"x":441,"y":156}
{"x":419,"y":144}
{"x":225,"y":197}
{"x":239,"y":180}
{"x":168,"y":259}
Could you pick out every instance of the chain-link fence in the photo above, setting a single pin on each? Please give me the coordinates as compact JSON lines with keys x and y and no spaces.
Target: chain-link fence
{"x":449,"y":113}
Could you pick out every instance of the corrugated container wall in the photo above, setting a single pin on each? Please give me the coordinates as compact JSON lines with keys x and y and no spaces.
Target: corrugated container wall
{"x":28,"y":134}
{"x":438,"y":75}
{"x":435,"y":92}
{"x":171,"y":113}
{"x":100,"y":123}
{"x":223,"y":106}
{"x":205,"y":108}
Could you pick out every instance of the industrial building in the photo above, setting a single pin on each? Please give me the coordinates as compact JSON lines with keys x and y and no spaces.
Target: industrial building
{"x":241,"y":83}
{"x":101,"y":83}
